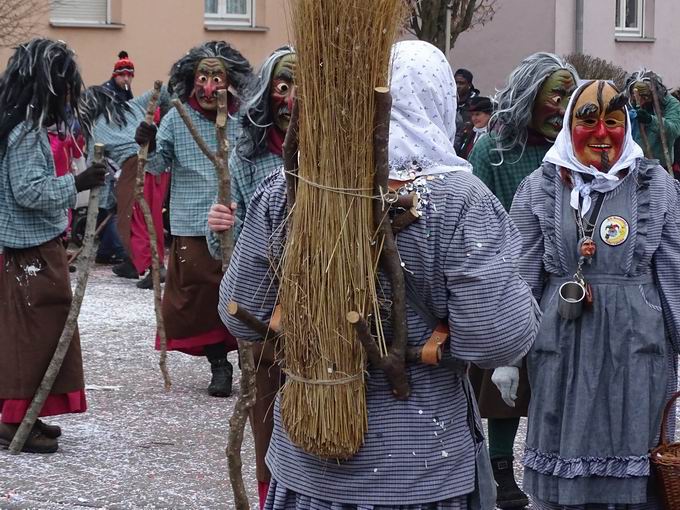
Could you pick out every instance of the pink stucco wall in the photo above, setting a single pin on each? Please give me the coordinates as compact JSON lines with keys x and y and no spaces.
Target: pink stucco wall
{"x":491,"y":52}
{"x":661,"y":55}
{"x":156,"y":33}
{"x":521,"y":27}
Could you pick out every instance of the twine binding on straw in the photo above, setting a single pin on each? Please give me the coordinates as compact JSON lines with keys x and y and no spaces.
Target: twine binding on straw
{"x":323,"y":382}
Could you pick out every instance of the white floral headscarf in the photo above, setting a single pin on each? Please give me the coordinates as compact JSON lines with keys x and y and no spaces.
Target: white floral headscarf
{"x":423,"y":116}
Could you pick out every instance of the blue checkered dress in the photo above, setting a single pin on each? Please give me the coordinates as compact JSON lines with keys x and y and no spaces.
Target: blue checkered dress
{"x":193,"y":188}
{"x":33,"y":201}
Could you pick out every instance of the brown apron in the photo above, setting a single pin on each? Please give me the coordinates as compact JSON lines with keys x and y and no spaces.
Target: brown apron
{"x":267,"y":382}
{"x":125,"y":198}
{"x":35,"y":297}
{"x":491,"y":404}
{"x":192,"y":289}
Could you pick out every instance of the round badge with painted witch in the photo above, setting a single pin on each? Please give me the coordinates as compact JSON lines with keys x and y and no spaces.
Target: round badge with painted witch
{"x":614,"y":230}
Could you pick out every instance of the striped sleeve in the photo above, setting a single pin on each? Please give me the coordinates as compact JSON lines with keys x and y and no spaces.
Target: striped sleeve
{"x":667,"y":265}
{"x":493,"y":317}
{"x":250,"y":279}
{"x":531,"y":258}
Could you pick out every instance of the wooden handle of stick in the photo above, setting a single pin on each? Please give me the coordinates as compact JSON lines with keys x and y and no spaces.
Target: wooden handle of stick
{"x":395,"y":364}
{"x":67,"y":333}
{"x":143,"y":151}
{"x":222,"y":169}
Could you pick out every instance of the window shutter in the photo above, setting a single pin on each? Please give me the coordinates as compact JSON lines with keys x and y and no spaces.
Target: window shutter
{"x":79,"y":11}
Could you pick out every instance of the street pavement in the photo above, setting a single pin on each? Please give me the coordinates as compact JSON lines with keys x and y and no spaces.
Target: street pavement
{"x":138,"y":446}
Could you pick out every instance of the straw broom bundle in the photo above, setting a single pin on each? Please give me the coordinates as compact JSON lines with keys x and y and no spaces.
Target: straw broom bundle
{"x":330,"y":261}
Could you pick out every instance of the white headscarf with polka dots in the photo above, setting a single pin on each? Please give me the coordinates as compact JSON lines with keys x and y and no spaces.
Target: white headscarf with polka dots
{"x":423,"y":117}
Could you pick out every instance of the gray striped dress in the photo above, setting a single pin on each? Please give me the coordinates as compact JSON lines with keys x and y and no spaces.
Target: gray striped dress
{"x":418,"y":454}
{"x":599,"y":383}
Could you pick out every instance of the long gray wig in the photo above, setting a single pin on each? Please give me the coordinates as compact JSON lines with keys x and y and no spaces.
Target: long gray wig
{"x":647,"y":76}
{"x":257,"y":110}
{"x":515,"y":102}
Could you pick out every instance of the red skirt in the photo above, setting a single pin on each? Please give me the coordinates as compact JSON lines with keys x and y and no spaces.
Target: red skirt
{"x":14,"y":410}
{"x":131,"y":225}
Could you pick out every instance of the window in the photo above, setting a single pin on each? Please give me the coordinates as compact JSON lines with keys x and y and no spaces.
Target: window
{"x":630,"y":18}
{"x":79,"y":12}
{"x":229,"y":12}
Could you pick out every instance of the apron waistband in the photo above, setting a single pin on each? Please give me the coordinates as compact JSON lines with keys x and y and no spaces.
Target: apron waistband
{"x":605,"y":279}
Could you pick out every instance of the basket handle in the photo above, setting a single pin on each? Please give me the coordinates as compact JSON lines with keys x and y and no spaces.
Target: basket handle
{"x":666,"y":412}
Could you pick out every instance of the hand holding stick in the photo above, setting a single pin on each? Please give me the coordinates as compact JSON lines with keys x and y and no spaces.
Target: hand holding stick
{"x":71,"y":320}
{"x":219,"y":160}
{"x":142,"y":156}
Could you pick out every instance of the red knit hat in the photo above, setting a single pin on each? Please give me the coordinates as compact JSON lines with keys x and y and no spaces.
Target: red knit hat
{"x":124,"y":65}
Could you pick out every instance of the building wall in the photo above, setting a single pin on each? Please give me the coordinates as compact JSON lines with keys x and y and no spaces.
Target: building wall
{"x":492,"y":51}
{"x":156,"y":33}
{"x":659,"y":54}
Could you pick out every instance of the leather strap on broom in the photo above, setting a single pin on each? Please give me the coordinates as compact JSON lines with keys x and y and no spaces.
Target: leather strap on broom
{"x":142,"y":156}
{"x":71,"y":320}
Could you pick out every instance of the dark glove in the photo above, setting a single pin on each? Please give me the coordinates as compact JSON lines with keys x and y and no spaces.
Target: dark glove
{"x":91,"y":177}
{"x":643,"y":116}
{"x":146,"y":133}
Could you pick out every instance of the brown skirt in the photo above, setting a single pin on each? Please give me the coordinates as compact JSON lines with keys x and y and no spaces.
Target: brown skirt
{"x":267,"y":382}
{"x":35,"y":298}
{"x":125,"y":199}
{"x":491,"y":404}
{"x":192,"y":291}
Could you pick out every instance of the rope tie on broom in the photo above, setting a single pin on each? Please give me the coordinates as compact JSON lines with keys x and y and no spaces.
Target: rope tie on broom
{"x":390,"y":197}
{"x":323,"y":382}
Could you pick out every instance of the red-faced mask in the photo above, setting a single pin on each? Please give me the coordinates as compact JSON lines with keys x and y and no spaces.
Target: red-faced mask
{"x":211,"y":76}
{"x":598,"y":125}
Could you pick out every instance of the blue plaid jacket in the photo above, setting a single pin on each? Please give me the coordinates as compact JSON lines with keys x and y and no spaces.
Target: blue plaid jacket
{"x":193,"y":187}
{"x":33,"y":201}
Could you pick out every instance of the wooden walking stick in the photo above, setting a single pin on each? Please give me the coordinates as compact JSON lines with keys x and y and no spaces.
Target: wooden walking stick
{"x":246,"y":398}
{"x":71,"y":320}
{"x":142,"y":155}
{"x":394,"y":364}
{"x":239,"y":417}
{"x":662,"y":128}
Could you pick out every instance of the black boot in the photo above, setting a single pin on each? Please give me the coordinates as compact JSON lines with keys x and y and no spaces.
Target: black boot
{"x":126,"y":269}
{"x":222,"y":372}
{"x":147,"y":281}
{"x":508,"y":495}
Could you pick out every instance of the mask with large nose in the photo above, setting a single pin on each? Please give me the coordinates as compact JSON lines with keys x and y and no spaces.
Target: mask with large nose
{"x":283,"y":91}
{"x":598,"y":125}
{"x":210,"y":76}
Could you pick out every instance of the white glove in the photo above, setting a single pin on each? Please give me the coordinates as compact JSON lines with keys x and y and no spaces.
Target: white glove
{"x":506,"y":380}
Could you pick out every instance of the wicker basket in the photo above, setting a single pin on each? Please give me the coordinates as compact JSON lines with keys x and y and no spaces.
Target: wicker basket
{"x":665,"y":460}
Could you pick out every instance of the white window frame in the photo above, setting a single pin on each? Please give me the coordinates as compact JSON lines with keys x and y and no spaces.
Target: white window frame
{"x":639,"y":31}
{"x":222,"y":17}
{"x":76,"y":22}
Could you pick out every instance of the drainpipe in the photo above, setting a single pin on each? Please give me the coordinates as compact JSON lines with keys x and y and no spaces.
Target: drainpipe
{"x":447,"y":44}
{"x":578,"y":28}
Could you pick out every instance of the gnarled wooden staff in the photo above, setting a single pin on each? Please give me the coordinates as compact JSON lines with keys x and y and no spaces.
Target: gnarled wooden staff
{"x":71,"y":323}
{"x":246,"y":398}
{"x":394,"y":363}
{"x":142,"y":156}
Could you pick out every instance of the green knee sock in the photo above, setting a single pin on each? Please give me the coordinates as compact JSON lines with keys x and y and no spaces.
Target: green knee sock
{"x":502,"y":432}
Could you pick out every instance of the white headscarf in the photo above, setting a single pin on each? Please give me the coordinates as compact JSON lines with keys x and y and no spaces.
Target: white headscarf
{"x":562,"y":154}
{"x":423,"y":116}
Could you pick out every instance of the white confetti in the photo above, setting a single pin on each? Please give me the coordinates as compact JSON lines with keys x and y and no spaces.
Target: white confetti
{"x":445,"y":453}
